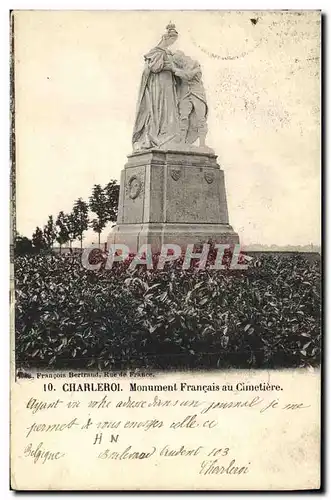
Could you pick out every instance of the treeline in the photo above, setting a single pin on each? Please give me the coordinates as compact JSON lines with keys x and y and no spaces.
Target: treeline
{"x":100,"y":209}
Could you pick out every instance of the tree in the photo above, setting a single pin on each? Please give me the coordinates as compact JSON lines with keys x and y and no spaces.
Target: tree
{"x":79,"y":220}
{"x":98,"y":205}
{"x":72,"y":228}
{"x":50,"y":232}
{"x":23,"y":245}
{"x":112,"y":192}
{"x":62,"y":236}
{"x":38,"y":240}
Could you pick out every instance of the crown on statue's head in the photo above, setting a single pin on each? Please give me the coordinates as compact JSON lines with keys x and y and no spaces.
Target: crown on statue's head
{"x":171,"y":29}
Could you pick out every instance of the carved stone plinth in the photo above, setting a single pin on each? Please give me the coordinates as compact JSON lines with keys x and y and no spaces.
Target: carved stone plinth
{"x":173,"y":197}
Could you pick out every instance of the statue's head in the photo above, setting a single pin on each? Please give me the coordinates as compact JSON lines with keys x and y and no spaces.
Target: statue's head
{"x":179,"y":58}
{"x":170,"y":36}
{"x":183,"y":61}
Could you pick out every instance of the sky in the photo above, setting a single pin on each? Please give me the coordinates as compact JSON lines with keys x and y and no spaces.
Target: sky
{"x":77,"y":75}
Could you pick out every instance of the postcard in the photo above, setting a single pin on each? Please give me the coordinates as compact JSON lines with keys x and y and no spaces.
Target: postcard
{"x":166,"y":250}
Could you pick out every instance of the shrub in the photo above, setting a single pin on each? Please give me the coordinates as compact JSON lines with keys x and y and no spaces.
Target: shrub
{"x":68,"y":317}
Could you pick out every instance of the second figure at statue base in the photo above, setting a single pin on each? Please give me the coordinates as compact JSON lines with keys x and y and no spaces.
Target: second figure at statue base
{"x":192,"y":103}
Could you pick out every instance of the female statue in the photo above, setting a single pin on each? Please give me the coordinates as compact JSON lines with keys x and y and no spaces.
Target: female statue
{"x":157,"y":121}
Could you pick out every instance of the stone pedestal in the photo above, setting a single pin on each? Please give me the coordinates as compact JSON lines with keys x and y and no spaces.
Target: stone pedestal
{"x":173,"y":197}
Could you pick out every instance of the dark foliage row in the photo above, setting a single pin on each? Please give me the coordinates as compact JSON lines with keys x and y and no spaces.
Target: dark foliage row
{"x":69,"y":317}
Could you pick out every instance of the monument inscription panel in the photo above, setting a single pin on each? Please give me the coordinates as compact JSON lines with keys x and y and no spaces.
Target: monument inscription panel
{"x":191,"y":199}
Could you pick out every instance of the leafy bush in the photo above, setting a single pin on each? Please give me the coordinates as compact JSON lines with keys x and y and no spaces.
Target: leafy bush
{"x":23,"y":245}
{"x":69,"y":317}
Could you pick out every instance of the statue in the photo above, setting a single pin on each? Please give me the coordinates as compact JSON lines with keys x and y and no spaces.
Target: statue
{"x":192,"y":101}
{"x":172,"y":190}
{"x":157,"y":121}
{"x":172,"y":108}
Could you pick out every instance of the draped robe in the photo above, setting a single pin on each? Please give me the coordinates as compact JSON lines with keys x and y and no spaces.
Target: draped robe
{"x":157,"y":120}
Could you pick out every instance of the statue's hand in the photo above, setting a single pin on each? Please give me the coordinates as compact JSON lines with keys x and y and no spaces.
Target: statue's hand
{"x":170,"y":67}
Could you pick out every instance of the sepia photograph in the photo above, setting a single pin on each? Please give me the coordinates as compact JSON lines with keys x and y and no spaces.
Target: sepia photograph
{"x":166,"y":250}
{"x":166,"y":204}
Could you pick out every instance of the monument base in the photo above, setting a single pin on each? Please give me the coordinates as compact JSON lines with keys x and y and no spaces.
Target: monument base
{"x":136,"y":235}
{"x":172,"y":196}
